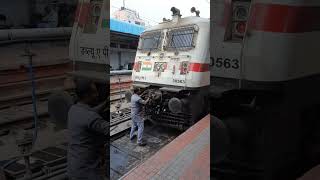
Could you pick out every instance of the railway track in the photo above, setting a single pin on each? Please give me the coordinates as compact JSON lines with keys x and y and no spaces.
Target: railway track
{"x":16,"y":113}
{"x":125,"y":154}
{"x":16,"y":86}
{"x":17,"y":92}
{"x":25,"y":98}
{"x":120,"y":116}
{"x":50,"y":157}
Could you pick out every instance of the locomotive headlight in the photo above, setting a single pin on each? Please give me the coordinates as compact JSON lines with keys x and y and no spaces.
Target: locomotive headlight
{"x":184,"y":67}
{"x":241,"y":27}
{"x":241,"y":13}
{"x":196,"y":28}
{"x":137,"y":66}
{"x":97,"y":10}
{"x":240,"y":16}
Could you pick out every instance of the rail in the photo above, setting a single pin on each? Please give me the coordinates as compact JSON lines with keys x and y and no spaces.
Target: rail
{"x":120,"y":72}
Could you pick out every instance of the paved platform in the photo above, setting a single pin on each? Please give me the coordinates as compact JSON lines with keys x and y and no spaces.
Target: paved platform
{"x":312,"y":174}
{"x":186,"y":157}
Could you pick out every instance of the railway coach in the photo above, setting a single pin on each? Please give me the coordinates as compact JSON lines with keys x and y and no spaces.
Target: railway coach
{"x":89,"y":52}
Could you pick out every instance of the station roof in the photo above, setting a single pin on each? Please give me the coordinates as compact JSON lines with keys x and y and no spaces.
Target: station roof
{"x":125,"y":27}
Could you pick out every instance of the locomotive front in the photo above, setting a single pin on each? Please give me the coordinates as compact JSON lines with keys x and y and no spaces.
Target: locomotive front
{"x":172,"y":67}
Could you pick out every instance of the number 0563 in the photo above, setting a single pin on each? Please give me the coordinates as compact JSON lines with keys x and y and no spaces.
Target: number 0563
{"x":224,"y":63}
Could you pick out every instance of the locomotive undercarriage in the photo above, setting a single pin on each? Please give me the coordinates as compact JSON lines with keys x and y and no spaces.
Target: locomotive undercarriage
{"x":272,"y":134}
{"x":178,"y":110}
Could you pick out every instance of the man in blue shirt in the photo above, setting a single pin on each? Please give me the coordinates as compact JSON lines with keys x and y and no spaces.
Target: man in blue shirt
{"x":136,"y":115}
{"x":88,"y":132}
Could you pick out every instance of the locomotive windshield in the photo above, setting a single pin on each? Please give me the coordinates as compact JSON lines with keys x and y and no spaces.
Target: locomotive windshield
{"x":150,"y":41}
{"x":181,"y":38}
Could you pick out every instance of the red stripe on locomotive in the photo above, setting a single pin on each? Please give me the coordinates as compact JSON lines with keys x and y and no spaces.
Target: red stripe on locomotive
{"x":284,"y":18}
{"x":82,"y":14}
{"x":198,"y":67}
{"x":227,"y":13}
{"x":278,"y":18}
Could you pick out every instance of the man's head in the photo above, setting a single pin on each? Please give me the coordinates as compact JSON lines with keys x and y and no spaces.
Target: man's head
{"x":136,"y":90}
{"x":87,"y":91}
{"x":47,"y":9}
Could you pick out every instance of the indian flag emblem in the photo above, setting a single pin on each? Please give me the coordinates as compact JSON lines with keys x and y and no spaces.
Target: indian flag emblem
{"x":146,"y":66}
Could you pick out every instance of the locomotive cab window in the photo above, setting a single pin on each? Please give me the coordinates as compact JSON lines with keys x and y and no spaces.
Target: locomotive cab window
{"x":150,"y":41}
{"x":181,"y":39}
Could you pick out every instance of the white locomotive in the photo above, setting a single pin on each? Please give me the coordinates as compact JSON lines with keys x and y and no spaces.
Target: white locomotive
{"x":172,"y":64}
{"x":262,"y":45}
{"x":265,"y":77}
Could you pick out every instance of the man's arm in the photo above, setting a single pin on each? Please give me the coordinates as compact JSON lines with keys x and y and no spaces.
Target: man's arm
{"x":100,"y":107}
{"x":144,"y":102}
{"x":98,"y":124}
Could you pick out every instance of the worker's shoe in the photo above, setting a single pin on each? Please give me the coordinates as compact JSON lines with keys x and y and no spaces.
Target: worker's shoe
{"x":142,"y":143}
{"x":133,"y":137}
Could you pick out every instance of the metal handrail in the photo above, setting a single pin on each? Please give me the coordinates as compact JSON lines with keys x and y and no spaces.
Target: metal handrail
{"x":31,"y":33}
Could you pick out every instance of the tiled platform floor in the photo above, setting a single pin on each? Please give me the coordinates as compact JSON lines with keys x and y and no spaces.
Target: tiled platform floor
{"x":186,"y":157}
